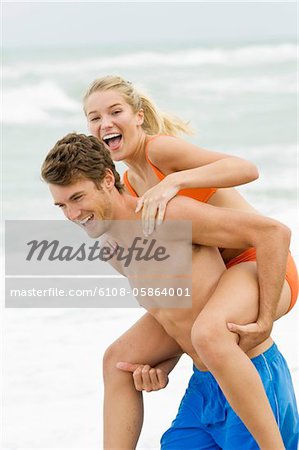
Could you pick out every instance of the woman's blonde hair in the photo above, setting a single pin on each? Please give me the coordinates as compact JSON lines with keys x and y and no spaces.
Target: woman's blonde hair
{"x":154,"y":122}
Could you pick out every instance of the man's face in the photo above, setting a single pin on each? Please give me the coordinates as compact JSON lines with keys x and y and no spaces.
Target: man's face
{"x":86,"y":205}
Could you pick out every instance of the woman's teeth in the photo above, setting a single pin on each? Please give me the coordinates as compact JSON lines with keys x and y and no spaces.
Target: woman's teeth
{"x":110,"y":136}
{"x":113,"y":138}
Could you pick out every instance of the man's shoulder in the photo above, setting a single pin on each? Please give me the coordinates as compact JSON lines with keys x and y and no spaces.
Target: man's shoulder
{"x":183,"y":208}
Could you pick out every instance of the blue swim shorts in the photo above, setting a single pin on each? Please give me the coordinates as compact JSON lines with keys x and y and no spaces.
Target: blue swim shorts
{"x":205,"y":420}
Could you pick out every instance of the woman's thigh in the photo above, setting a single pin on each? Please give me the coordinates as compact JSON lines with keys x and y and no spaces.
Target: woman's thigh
{"x":236,"y":297}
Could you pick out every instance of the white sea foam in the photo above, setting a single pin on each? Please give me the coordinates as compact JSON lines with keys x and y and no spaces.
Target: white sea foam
{"x":40,"y":103}
{"x":283,"y":83}
{"x":35,"y":103}
{"x":194,"y":57}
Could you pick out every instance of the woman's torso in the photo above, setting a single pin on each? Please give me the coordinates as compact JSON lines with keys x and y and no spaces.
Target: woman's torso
{"x":221,"y":197}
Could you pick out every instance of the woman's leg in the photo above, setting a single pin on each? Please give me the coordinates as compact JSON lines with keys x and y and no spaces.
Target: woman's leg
{"x":146,"y":342}
{"x":236,"y":299}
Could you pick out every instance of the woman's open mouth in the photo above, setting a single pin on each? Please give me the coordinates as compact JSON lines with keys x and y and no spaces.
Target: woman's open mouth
{"x":113,"y":140}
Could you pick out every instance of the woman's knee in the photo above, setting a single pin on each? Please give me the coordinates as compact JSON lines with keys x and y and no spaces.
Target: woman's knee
{"x":203,"y":334}
{"x":211,"y":339}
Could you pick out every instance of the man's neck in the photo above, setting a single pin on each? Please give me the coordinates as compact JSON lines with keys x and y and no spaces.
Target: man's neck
{"x":125,"y":208}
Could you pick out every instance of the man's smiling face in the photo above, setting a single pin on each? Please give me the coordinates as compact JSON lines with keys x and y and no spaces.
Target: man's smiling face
{"x":85,"y":204}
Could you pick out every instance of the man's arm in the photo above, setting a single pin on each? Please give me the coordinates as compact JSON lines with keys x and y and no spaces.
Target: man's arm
{"x":147,"y":378}
{"x":228,"y":228}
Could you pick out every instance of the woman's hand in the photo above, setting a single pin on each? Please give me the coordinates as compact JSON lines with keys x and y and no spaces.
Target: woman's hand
{"x":153,"y":203}
{"x":146,"y":378}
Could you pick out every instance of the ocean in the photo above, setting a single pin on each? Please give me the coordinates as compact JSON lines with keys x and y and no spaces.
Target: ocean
{"x":239,"y":99}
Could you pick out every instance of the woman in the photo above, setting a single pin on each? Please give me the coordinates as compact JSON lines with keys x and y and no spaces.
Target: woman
{"x":160,"y":166}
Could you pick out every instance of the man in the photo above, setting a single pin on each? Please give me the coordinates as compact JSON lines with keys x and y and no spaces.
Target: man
{"x":84,"y":183}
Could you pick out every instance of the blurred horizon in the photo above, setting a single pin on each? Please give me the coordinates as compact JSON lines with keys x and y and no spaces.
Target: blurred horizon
{"x":148,"y":45}
{"x":118,"y":24}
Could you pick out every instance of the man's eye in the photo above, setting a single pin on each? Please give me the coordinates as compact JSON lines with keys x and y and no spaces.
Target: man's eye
{"x":94,"y":119}
{"x":77,"y":198}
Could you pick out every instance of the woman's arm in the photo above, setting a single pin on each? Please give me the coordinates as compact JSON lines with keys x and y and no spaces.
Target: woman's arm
{"x":194,"y":167}
{"x":188,"y":166}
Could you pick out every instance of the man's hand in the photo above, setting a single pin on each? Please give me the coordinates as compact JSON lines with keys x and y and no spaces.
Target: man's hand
{"x":146,"y":378}
{"x":251,"y":334}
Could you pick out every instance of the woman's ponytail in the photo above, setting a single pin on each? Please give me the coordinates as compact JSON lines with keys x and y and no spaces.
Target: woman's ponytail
{"x":155,"y":122}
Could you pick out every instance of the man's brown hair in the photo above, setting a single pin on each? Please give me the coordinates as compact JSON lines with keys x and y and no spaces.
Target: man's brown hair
{"x":78,"y":156}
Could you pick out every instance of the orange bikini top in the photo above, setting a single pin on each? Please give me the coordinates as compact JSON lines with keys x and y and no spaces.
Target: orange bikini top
{"x":200,"y":194}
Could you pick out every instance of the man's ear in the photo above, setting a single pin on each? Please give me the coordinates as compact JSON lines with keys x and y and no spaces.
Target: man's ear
{"x":109,"y":180}
{"x":140,"y":117}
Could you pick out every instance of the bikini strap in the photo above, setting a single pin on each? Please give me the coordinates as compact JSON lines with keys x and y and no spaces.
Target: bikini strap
{"x":157,"y":171}
{"x":128,"y":184}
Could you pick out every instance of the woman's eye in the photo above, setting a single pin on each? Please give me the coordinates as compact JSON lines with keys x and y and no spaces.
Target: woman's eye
{"x":77,"y":198}
{"x":116,"y":112}
{"x":94,"y":119}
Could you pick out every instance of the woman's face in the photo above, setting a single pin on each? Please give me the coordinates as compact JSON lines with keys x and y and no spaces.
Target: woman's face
{"x":112,"y":120}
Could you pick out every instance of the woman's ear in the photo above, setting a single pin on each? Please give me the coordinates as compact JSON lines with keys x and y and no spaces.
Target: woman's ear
{"x":140,"y":117}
